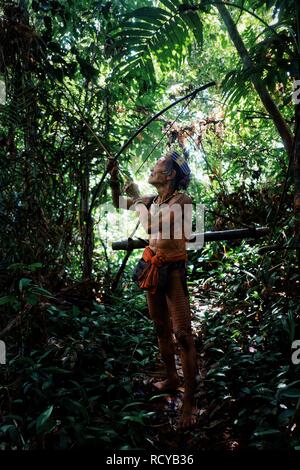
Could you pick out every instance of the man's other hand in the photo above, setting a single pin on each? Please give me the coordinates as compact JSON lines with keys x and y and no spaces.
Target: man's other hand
{"x":132,"y":190}
{"x":112,"y":167}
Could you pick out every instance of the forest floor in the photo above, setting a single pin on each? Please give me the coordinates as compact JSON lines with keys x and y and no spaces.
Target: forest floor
{"x":80,"y":373}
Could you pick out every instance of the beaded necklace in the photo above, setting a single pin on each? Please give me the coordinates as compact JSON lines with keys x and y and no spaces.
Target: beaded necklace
{"x":165,"y":200}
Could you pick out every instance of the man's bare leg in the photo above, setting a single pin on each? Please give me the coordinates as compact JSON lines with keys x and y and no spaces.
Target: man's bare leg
{"x":179,"y":308}
{"x":188,"y":360}
{"x":159,"y":313}
{"x":167,"y":352}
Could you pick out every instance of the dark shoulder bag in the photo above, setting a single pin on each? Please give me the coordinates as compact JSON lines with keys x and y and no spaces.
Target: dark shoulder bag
{"x":141,"y":265}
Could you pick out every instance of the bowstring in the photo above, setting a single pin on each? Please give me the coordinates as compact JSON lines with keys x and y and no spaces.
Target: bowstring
{"x":156,"y":145}
{"x":164,"y":134}
{"x":213,"y":211}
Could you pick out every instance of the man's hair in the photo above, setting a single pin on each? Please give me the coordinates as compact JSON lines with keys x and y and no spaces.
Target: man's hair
{"x":181,"y":180}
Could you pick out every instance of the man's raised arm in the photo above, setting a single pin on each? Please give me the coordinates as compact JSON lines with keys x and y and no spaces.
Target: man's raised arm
{"x":131,"y":189}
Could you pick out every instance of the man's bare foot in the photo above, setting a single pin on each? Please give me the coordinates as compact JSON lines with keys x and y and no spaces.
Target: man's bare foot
{"x":189,"y":413}
{"x":168,"y":385}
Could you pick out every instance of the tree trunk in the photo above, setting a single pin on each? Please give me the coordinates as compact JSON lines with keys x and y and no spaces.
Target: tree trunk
{"x":86,"y":221}
{"x":268,"y":102}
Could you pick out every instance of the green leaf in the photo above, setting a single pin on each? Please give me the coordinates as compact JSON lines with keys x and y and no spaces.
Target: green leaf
{"x":15,"y":266}
{"x":75,"y":407}
{"x":267,"y":432}
{"x":35,"y":266}
{"x":152,"y":14}
{"x":135,"y":403}
{"x":42,"y":291}
{"x":161,"y":395}
{"x":87,"y":69}
{"x":12,"y":431}
{"x":6,"y":427}
{"x":137,"y":24}
{"x":24,"y":282}
{"x":170,"y":5}
{"x":43,"y":418}
{"x":56,"y":370}
{"x":193,"y":21}
{"x":289,"y":390}
{"x":5,"y":300}
{"x":135,"y":418}
{"x":31,"y":299}
{"x":290,"y":393}
{"x":137,"y":33}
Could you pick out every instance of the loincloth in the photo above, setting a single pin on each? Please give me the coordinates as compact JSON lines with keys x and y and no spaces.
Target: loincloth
{"x":152,"y":270}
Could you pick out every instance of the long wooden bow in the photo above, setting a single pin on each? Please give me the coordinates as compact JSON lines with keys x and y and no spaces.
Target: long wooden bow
{"x":140,"y":129}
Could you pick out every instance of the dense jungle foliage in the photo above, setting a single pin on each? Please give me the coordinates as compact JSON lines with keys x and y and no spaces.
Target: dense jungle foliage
{"x":77,"y":79}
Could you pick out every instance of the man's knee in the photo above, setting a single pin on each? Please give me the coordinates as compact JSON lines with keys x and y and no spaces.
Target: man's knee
{"x":184,"y":339}
{"x":162,"y":330}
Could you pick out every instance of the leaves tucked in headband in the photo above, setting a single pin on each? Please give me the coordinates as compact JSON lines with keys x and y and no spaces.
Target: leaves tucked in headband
{"x":181,"y":162}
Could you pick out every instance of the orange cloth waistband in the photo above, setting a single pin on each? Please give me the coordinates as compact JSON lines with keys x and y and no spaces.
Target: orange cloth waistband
{"x":149,"y":277}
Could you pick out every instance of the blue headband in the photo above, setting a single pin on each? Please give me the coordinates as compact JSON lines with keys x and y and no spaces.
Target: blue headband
{"x":181,"y":162}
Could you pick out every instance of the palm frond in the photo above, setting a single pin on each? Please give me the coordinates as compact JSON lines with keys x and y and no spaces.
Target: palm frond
{"x":18,"y":102}
{"x":236,"y":84}
{"x":151,"y":37}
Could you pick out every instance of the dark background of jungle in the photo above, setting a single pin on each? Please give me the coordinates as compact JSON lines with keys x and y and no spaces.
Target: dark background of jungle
{"x":77,"y":79}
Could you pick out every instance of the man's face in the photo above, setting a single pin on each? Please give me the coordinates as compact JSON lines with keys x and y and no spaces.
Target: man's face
{"x":157,"y":175}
